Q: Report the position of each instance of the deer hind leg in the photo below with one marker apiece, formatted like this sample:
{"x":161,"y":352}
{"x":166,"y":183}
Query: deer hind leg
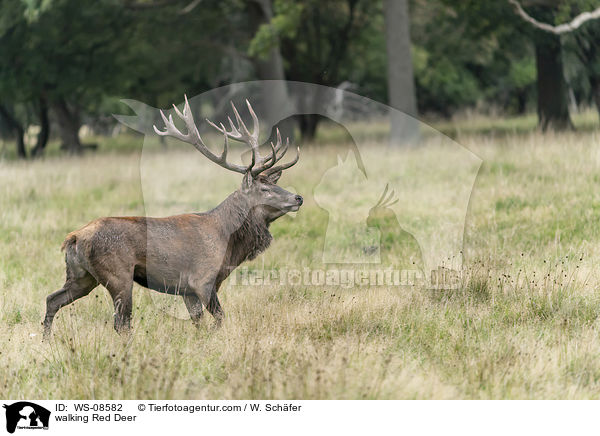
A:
{"x":120,"y":289}
{"x":73,"y":289}
{"x":194,"y":307}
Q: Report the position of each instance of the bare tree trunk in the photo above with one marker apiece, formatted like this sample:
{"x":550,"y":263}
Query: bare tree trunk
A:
{"x":271,"y":68}
{"x":69,"y":124}
{"x":42,"y":139}
{"x":401,"y":86}
{"x":553,"y":106}
{"x":588,"y":52}
{"x":521,"y":102}
{"x":17,"y":127}
{"x":595,"y":84}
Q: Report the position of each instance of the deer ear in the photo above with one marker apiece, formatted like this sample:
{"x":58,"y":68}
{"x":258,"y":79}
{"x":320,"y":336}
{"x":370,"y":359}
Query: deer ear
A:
{"x":247,"y":182}
{"x":274,"y":177}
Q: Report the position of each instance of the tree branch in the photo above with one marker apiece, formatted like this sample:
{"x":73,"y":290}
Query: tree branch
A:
{"x":189,"y":8}
{"x":557,"y":30}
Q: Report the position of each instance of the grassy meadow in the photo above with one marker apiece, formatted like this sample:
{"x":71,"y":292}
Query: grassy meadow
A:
{"x":524,"y":322}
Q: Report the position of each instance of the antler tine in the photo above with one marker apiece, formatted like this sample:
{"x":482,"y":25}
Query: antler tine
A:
{"x":279,"y":143}
{"x":159,"y":132}
{"x":287,"y":165}
{"x":193,"y":137}
{"x":265,"y":163}
{"x":278,"y":147}
{"x":188,"y":118}
{"x":255,"y":128}
{"x":225,"y":145}
{"x":284,"y":148}
{"x":238,"y":132}
{"x":234,"y":130}
{"x":171,"y":129}
{"x":233,"y":134}
{"x":185,"y":113}
{"x":242,"y":134}
{"x":268,"y":162}
{"x":241,"y":126}
{"x":179,"y":114}
{"x":223,"y":157}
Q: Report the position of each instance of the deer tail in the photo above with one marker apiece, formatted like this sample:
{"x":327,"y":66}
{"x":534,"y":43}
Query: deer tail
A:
{"x":69,"y":241}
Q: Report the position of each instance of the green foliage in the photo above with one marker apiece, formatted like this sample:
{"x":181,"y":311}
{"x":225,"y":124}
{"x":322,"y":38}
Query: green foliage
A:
{"x":321,"y":40}
{"x":522,"y":73}
{"x":90,"y":50}
{"x":466,"y":53}
{"x":284,"y":24}
{"x":368,"y":66}
{"x":443,"y":84}
{"x":582,"y":51}
{"x":470,"y":52}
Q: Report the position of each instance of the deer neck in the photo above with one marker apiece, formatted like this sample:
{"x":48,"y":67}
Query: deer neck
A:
{"x":247,"y":231}
{"x":231,"y":213}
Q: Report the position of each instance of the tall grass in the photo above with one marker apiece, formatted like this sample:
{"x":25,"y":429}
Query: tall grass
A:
{"x":522,"y":324}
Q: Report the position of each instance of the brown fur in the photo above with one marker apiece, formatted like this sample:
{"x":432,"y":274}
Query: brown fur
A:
{"x":69,"y":239}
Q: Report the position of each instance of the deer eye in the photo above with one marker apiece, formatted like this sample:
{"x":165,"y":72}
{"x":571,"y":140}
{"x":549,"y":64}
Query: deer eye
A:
{"x":264,"y":189}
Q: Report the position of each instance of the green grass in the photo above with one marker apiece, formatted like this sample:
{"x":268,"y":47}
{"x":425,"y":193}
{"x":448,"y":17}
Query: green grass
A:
{"x":524,"y":322}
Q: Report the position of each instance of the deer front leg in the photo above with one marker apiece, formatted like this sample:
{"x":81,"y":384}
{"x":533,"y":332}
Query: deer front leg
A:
{"x":206,"y":291}
{"x":194,"y":307}
{"x":214,"y":307}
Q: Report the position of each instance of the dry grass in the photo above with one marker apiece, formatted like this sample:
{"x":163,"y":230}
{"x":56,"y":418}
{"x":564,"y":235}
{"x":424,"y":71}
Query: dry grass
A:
{"x":523,"y":324}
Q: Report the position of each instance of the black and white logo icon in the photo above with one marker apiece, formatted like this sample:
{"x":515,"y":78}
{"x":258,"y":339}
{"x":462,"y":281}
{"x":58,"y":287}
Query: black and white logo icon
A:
{"x":26,"y":415}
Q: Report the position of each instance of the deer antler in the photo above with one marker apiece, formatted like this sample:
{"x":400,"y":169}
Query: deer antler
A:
{"x":193,"y":137}
{"x":281,"y":150}
{"x":239,"y":133}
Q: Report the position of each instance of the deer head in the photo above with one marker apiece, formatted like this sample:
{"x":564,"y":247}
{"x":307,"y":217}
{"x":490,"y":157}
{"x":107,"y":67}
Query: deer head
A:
{"x":258,"y":187}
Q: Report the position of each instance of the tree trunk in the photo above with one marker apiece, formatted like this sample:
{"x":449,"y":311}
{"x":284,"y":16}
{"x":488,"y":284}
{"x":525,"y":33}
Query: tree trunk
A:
{"x":521,"y":102}
{"x":595,"y":85}
{"x":596,"y":92}
{"x":588,"y":52}
{"x":401,"y":85}
{"x":271,"y":68}
{"x":552,"y":100}
{"x":69,"y":124}
{"x":16,"y":126}
{"x":42,"y":139}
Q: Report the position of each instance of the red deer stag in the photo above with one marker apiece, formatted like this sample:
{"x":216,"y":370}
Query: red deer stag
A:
{"x":188,"y":255}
